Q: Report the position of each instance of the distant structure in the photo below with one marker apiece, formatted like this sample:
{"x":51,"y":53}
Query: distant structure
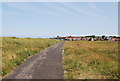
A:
{"x":89,"y":38}
{"x":113,"y":38}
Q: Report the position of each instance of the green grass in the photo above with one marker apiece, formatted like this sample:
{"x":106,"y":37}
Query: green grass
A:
{"x":90,"y":60}
{"x":16,"y":50}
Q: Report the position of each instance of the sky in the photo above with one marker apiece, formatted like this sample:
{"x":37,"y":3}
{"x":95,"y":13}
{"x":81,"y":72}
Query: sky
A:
{"x":50,"y":19}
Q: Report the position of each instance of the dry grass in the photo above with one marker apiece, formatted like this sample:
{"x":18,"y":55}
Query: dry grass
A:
{"x":16,"y":50}
{"x":91,"y":60}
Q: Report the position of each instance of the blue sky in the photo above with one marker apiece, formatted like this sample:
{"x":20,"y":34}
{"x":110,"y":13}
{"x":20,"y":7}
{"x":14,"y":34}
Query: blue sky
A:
{"x":49,"y":19}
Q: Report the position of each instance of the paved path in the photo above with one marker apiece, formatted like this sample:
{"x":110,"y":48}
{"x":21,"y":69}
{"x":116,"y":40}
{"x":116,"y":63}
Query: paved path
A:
{"x":45,"y":65}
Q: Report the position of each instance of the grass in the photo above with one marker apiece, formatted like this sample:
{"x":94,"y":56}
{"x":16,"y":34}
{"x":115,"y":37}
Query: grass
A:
{"x":90,"y":60}
{"x":16,"y":50}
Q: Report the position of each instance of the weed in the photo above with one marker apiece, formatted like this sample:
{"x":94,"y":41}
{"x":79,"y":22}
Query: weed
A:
{"x":91,"y":60}
{"x":16,"y":50}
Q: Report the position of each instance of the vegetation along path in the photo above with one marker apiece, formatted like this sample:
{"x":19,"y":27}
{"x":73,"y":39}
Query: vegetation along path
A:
{"x":44,"y":65}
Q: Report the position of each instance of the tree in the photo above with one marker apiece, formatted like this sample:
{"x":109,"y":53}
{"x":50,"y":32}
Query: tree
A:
{"x":58,"y":36}
{"x":93,"y":36}
{"x":103,"y":37}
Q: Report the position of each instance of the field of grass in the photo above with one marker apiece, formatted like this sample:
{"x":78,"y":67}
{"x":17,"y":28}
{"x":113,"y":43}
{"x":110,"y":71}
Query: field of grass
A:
{"x":16,"y":50}
{"x":90,"y":60}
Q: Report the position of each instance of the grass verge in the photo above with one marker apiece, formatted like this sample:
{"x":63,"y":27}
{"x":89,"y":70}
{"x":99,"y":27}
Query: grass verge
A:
{"x":16,"y":50}
{"x":91,"y":60}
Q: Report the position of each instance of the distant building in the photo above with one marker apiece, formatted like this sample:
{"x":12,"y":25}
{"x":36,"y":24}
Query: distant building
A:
{"x":88,"y":38}
{"x":92,"y":39}
{"x":73,"y":38}
{"x":114,"y":39}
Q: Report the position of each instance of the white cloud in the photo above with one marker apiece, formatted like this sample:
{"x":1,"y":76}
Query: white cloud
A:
{"x":55,"y":9}
{"x":31,"y":8}
{"x":85,"y":12}
{"x":94,"y":7}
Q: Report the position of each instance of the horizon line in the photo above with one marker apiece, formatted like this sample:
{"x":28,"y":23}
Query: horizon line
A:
{"x":55,"y":36}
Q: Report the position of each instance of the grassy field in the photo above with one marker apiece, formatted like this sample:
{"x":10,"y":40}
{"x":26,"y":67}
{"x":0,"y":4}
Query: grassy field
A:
{"x":90,"y":60}
{"x":16,"y":50}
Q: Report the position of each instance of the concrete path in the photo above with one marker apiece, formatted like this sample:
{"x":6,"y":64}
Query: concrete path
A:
{"x":45,"y":65}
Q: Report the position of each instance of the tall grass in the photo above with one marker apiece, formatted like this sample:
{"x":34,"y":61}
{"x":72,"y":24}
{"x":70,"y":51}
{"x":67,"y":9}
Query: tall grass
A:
{"x":91,"y":60}
{"x":16,"y":50}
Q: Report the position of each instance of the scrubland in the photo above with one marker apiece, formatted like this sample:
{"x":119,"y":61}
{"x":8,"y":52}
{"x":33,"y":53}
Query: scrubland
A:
{"x":17,"y":50}
{"x":90,"y":60}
